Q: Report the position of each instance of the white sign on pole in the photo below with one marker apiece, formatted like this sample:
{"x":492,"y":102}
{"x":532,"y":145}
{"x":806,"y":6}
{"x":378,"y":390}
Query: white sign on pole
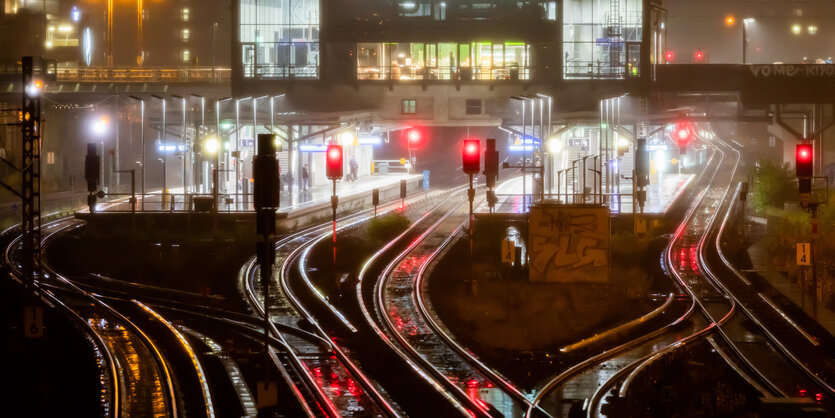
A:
{"x":804,"y":254}
{"x":50,"y":158}
{"x":508,"y":251}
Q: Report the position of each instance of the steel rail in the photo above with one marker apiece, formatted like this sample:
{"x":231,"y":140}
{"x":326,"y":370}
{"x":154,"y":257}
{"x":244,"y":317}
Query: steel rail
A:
{"x":410,"y":351}
{"x":596,"y":359}
{"x":772,"y":338}
{"x":493,"y":375}
{"x":157,"y":355}
{"x":369,"y":317}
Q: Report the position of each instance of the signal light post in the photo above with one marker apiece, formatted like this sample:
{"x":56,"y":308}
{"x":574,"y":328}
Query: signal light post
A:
{"x":333,"y":155}
{"x":266,"y":196}
{"x":413,"y":138}
{"x":804,"y":168}
{"x":682,"y":134}
{"x":471,"y":165}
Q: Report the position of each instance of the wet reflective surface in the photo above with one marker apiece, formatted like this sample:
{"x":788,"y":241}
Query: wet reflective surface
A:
{"x":400,"y":303}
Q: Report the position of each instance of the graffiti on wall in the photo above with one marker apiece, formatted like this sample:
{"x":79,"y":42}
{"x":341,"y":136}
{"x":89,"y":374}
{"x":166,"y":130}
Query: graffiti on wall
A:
{"x":569,"y":243}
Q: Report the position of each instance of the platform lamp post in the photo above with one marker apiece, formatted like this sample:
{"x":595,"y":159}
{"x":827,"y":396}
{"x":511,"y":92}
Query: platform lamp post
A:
{"x":547,"y":135}
{"x":524,"y":163}
{"x":272,"y":111}
{"x":745,"y":23}
{"x":236,"y":154}
{"x":163,"y":139}
{"x":196,"y":145}
{"x":220,"y":148}
{"x":142,"y":139}
{"x":183,"y":142}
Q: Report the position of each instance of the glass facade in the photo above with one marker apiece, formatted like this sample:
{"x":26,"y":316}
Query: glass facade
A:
{"x":403,"y":11}
{"x":602,"y":38}
{"x":444,"y":61}
{"x":279,"y":38}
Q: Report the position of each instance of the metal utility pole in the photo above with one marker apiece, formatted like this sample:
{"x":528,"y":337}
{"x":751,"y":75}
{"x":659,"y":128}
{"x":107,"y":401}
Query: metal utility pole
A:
{"x":109,"y":57}
{"x":142,"y":135}
{"x":164,"y":137}
{"x":31,"y":173}
{"x":140,"y":41}
{"x":214,"y":31}
{"x":184,"y":144}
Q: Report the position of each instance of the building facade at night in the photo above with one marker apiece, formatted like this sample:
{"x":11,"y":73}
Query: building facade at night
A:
{"x":81,"y":33}
{"x":403,"y":57}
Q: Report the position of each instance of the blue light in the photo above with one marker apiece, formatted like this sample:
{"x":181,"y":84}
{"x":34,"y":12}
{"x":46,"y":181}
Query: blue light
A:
{"x":313,"y":148}
{"x":369,"y":140}
{"x":520,"y":148}
{"x":171,"y":148}
{"x":75,"y":14}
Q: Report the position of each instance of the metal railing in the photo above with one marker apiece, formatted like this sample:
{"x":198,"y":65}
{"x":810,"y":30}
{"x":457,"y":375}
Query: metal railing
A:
{"x":398,"y":73}
{"x":149,"y":74}
{"x":617,"y":203}
{"x":176,"y":202}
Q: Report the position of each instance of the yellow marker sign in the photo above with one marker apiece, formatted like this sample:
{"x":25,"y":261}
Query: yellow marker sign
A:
{"x":403,"y":161}
{"x":640,"y":224}
{"x":508,"y":251}
{"x":804,"y":254}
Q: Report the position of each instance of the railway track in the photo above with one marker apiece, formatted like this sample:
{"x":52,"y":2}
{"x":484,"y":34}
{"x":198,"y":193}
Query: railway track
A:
{"x":392,"y":301}
{"x":721,"y":320}
{"x":139,"y":381}
{"x":331,"y":376}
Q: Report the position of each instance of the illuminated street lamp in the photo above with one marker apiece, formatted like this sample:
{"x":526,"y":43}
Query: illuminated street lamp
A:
{"x":211,"y":145}
{"x":100,"y":126}
{"x":745,"y":23}
{"x":796,"y":29}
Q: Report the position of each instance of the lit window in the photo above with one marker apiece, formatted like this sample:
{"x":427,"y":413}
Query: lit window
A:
{"x":185,"y":34}
{"x":185,"y":14}
{"x":186,"y":55}
{"x":408,"y":106}
{"x":473,"y":106}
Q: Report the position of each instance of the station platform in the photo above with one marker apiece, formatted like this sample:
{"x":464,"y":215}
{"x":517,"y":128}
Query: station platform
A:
{"x":660,"y":195}
{"x":300,"y":200}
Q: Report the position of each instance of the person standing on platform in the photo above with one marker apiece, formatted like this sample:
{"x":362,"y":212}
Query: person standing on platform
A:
{"x":305,"y":178}
{"x":354,"y":167}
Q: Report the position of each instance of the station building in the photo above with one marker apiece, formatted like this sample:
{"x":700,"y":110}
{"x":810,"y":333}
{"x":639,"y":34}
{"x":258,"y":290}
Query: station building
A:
{"x":379,"y":66}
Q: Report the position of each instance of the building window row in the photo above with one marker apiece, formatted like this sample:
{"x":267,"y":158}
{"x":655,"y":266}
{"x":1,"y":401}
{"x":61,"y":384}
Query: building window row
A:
{"x":407,"y":11}
{"x":602,"y":38}
{"x":443,"y":61}
{"x":279,"y":38}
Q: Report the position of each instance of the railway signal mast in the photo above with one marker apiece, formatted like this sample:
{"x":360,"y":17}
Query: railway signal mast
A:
{"x":471,"y":163}
{"x":266,"y":196}
{"x":333,"y":170}
{"x":804,"y":168}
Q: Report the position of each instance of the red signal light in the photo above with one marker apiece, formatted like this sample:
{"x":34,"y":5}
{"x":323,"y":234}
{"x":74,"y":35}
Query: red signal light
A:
{"x":669,"y":56}
{"x":413,"y":136}
{"x":471,"y":156}
{"x":700,"y":56}
{"x":333,"y":155}
{"x":682,"y":134}
{"x":803,"y":160}
{"x":804,"y":153}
